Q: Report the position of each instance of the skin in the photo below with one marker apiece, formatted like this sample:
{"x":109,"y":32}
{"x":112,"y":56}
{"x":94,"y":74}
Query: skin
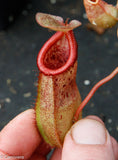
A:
{"x":20,"y":137}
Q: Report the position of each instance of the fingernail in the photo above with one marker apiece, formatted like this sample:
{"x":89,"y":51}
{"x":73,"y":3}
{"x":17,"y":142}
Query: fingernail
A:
{"x":89,"y":131}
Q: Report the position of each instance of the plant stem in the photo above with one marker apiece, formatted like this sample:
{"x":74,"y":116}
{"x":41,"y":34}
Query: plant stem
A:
{"x":93,"y":90}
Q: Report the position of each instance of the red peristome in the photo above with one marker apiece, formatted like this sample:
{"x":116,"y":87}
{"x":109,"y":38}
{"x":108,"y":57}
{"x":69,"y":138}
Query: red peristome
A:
{"x":64,"y":56}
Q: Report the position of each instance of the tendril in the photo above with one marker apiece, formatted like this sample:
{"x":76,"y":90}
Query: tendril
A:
{"x":93,"y":90}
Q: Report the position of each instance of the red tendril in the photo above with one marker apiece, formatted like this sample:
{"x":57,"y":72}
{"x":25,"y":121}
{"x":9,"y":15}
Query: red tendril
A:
{"x":93,"y":90}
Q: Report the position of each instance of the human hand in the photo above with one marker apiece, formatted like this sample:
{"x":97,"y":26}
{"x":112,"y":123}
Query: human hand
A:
{"x":21,"y":139}
{"x":88,"y":139}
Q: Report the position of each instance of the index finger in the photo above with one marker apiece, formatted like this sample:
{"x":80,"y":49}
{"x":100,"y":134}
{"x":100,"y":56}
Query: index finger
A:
{"x":20,"y":136}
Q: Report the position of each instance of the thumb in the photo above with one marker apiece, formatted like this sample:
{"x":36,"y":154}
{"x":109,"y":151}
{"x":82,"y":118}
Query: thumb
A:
{"x":89,"y":139}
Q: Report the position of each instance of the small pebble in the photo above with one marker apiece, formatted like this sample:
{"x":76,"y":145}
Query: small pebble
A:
{"x":117,"y":128}
{"x":86,"y":82}
{"x":8,"y":81}
{"x":27,"y":95}
{"x":109,"y":120}
{"x":85,"y":16}
{"x":7,"y":100}
{"x":12,"y":90}
{"x":53,"y":1}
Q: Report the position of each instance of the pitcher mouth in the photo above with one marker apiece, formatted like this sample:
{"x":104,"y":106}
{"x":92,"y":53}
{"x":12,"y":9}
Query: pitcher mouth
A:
{"x":58,"y":53}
